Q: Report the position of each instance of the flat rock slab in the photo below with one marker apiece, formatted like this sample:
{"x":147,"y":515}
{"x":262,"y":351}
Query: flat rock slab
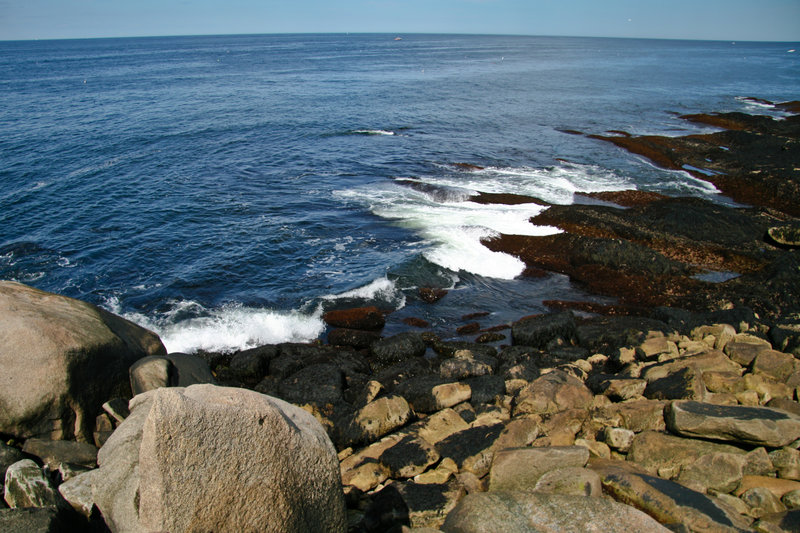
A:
{"x":519,"y":512}
{"x":758,"y":426}
{"x":667,"y":501}
{"x":519,"y":469}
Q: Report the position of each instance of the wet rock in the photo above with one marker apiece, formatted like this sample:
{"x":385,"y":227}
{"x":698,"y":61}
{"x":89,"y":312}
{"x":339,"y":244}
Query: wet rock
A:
{"x":76,"y":356}
{"x":368,"y":318}
{"x":416,"y":322}
{"x":428,"y":394}
{"x":668,"y":502}
{"x":250,"y":366}
{"x":759,"y":426}
{"x":54,"y":452}
{"x":468,"y":329}
{"x":431,"y":295}
{"x":471,"y":449}
{"x":519,"y":469}
{"x":485,"y":389}
{"x":320,"y":384}
{"x":412,"y":504}
{"x":538,"y":330}
{"x":449,"y":348}
{"x":465,"y":364}
{"x":518,"y":512}
{"x":396,"y":349}
{"x":409,"y":457}
{"x":355,"y":338}
{"x":553,"y":392}
{"x":27,"y":486}
{"x":659,"y":452}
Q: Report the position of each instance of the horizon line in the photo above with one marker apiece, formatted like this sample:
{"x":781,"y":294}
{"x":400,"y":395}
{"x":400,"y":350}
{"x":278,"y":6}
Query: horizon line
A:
{"x":399,"y":34}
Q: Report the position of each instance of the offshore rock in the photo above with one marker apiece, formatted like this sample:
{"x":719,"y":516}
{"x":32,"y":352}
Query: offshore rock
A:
{"x":61,"y":359}
{"x":759,"y":426}
{"x":520,"y":512}
{"x":368,"y":318}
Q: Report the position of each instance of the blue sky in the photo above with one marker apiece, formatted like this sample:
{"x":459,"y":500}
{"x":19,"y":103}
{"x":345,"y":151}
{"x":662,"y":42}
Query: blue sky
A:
{"x":759,"y":20}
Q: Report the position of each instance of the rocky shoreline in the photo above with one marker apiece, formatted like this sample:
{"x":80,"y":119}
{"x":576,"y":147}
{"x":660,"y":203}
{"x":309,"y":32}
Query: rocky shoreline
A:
{"x":675,"y":408}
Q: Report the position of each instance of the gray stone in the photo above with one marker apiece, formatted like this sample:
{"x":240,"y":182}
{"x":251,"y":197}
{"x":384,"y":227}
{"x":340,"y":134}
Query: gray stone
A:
{"x":518,"y":512}
{"x":172,"y":370}
{"x":61,"y":359}
{"x":519,"y":469}
{"x":27,"y":486}
{"x":758,"y":426}
{"x":250,"y":366}
{"x":619,"y":438}
{"x":77,"y":491}
{"x":281,"y":472}
{"x":320,"y":384}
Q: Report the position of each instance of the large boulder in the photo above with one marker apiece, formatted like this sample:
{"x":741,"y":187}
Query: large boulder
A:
{"x":219,"y":459}
{"x":173,"y":370}
{"x":61,"y":359}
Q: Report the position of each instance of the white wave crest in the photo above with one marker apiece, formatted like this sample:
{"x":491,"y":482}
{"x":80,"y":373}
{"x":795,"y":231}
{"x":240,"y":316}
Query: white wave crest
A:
{"x":373,"y":132}
{"x":226,"y":329}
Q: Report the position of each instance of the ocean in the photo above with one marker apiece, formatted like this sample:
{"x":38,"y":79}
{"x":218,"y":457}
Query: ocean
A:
{"x":224,"y":191}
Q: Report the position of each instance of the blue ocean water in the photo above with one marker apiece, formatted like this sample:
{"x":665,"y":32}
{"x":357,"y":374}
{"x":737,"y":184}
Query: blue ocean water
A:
{"x":225,"y":190}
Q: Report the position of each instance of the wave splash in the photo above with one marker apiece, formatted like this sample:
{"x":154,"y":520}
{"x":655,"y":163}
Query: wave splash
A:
{"x":438,"y":208}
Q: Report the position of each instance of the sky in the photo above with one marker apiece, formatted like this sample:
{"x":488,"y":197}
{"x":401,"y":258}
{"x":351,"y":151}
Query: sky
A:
{"x":734,"y":20}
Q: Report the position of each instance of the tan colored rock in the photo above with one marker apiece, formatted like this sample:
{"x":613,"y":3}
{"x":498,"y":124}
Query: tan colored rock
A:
{"x":551,"y":393}
{"x":519,"y":432}
{"x":366,"y":476}
{"x":777,"y":486}
{"x":744,"y":351}
{"x":572,"y":480}
{"x":223,"y":459}
{"x":409,"y":457}
{"x":654,"y":451}
{"x":78,"y":493}
{"x":723,"y":382}
{"x":381,"y":416}
{"x":638,"y":416}
{"x":61,"y":359}
{"x":655,"y":347}
{"x":762,"y":502}
{"x":443,"y":472}
{"x":668,"y":502}
{"x":787,"y":461}
{"x":619,"y":439}
{"x":758,"y":463}
{"x":596,"y":449}
{"x":748,"y":398}
{"x":722,"y":333}
{"x":719,"y":472}
{"x":706,"y":362}
{"x":759,"y":426}
{"x":791,"y":499}
{"x":775,"y":365}
{"x":440,"y":425}
{"x":520,"y":468}
{"x":517,"y":512}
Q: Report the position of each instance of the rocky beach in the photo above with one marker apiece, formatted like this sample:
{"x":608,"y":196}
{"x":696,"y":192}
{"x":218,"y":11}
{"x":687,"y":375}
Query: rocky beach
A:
{"x":672,"y":408}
